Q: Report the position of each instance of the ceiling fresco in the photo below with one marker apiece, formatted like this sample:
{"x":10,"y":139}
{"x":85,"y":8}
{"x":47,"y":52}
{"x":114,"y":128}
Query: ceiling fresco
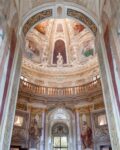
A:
{"x":72,"y":40}
{"x":58,"y":47}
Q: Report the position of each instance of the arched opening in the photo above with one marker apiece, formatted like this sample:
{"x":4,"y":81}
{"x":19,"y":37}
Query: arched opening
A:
{"x":43,"y":90}
{"x":60,"y":135}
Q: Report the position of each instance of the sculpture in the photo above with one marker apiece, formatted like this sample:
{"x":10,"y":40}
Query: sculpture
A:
{"x":59,"y":60}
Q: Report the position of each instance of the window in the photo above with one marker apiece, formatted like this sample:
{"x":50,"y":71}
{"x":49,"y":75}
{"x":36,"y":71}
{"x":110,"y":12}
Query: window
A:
{"x":102,"y":120}
{"x":60,"y":134}
{"x":18,"y":121}
{"x":60,"y":143}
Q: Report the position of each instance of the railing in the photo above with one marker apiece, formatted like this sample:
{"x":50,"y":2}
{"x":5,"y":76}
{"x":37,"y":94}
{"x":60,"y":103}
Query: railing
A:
{"x":65,"y":91}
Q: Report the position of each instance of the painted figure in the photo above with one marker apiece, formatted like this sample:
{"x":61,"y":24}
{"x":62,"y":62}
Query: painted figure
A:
{"x":86,"y":135}
{"x":35,"y":133}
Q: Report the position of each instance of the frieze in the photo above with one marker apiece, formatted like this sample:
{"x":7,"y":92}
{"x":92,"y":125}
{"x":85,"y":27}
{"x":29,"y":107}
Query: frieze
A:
{"x":83,"y":18}
{"x":29,"y":64}
{"x":36,"y":18}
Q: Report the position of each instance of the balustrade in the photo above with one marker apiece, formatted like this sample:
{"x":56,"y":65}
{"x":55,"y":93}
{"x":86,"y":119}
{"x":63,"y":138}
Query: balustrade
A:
{"x":53,"y":91}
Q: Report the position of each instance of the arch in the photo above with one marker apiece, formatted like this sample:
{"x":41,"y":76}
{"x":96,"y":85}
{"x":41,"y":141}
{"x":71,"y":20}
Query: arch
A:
{"x":55,"y":110}
{"x":13,"y":101}
{"x":68,"y":121}
{"x":78,"y":13}
{"x":59,"y":129}
{"x":49,"y":10}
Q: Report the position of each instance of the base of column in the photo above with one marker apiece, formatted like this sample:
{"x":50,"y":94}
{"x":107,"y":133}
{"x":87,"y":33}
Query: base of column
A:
{"x":42,"y":145}
{"x":79,"y":145}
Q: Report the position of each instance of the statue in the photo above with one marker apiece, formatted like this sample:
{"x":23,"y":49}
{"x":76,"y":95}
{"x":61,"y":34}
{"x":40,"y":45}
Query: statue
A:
{"x":59,"y":60}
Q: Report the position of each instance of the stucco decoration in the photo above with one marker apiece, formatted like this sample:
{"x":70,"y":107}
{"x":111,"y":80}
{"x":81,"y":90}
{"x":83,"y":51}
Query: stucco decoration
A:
{"x":36,"y":18}
{"x":83,"y":18}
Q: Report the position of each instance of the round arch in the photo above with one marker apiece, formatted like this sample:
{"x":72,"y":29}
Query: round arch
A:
{"x":49,"y":10}
{"x":77,"y":8}
{"x":60,"y":129}
{"x":70,"y":10}
{"x":59,"y":48}
{"x":60,"y":115}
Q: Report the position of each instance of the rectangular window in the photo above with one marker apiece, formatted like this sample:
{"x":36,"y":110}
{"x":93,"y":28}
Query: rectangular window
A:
{"x":18,"y":121}
{"x":102,"y":120}
{"x":60,"y":143}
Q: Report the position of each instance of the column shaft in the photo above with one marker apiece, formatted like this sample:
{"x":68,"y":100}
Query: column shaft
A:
{"x":78,"y":132}
{"x":42,"y":140}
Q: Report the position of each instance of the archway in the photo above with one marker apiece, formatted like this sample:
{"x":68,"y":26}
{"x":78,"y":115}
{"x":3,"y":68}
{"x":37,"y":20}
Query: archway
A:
{"x":90,"y":22}
{"x":60,"y":134}
{"x":100,"y":55}
{"x":63,"y":118}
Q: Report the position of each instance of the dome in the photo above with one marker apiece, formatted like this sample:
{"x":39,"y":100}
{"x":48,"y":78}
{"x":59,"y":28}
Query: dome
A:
{"x":60,"y":52}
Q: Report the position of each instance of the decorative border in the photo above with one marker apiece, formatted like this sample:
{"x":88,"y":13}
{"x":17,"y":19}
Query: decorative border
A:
{"x":36,"y":18}
{"x":83,"y":18}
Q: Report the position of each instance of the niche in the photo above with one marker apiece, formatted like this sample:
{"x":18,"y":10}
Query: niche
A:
{"x":59,"y":47}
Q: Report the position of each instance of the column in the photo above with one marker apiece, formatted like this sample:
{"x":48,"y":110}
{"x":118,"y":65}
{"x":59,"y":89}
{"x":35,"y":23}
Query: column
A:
{"x":42,"y":139}
{"x":78,"y":132}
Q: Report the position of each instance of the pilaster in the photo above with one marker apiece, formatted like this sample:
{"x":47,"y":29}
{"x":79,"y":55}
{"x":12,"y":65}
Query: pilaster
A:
{"x":78,"y":132}
{"x":42,"y":140}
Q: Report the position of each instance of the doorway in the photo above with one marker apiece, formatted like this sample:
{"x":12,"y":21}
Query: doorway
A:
{"x":60,"y":134}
